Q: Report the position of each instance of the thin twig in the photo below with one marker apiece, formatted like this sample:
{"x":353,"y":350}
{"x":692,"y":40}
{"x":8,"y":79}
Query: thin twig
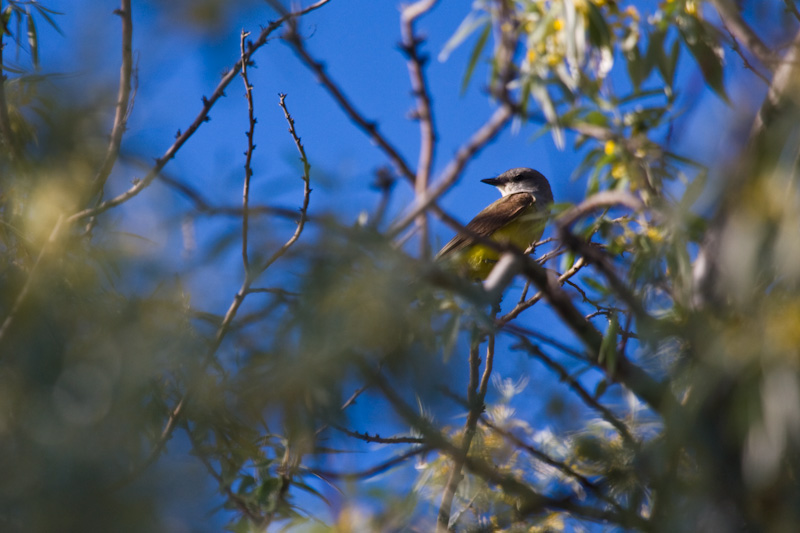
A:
{"x":587,"y":398}
{"x":476,"y":394}
{"x":122,"y":108}
{"x":375,"y":470}
{"x":736,"y":25}
{"x":366,"y":437}
{"x":248,"y":169}
{"x":258,"y":520}
{"x":738,"y":51}
{"x":546,"y":459}
{"x":522,"y":306}
{"x":306,"y":189}
{"x":23,"y":294}
{"x":424,"y":112}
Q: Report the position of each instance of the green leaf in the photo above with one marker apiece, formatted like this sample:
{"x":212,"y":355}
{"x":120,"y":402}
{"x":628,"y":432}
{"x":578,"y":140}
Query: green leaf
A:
{"x":475,"y":55}
{"x":608,"y":347}
{"x":693,"y":190}
{"x":471,"y":23}
{"x":596,"y":285}
{"x":45,"y":13}
{"x":702,"y":47}
{"x":600,"y":389}
{"x":33,"y":41}
{"x":568,"y":261}
{"x":636,"y":67}
{"x":599,"y":32}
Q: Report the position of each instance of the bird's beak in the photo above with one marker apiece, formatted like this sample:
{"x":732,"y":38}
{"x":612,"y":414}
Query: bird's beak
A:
{"x":492,"y":181}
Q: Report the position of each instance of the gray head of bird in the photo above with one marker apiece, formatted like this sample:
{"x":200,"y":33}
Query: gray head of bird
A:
{"x":522,"y":180}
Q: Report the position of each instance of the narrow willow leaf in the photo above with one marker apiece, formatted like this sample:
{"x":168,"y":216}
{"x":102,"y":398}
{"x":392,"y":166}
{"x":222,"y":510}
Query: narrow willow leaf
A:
{"x":476,"y":54}
{"x":608,"y":347}
{"x":471,"y":23}
{"x":697,"y":40}
{"x":33,"y":41}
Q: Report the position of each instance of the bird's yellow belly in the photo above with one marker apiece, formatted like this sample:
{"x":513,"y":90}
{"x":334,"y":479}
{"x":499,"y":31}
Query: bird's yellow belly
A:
{"x":480,"y":259}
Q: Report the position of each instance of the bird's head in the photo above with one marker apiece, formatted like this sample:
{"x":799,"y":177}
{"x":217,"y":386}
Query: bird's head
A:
{"x":522,"y":180}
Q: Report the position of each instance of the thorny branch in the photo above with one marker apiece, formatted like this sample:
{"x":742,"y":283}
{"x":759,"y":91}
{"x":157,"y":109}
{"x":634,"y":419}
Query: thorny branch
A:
{"x":423,"y":112}
{"x":248,"y":157}
{"x":122,"y":109}
{"x":736,"y":25}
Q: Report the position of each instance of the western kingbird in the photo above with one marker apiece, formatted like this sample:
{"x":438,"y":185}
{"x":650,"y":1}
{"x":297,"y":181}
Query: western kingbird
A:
{"x":517,"y":218}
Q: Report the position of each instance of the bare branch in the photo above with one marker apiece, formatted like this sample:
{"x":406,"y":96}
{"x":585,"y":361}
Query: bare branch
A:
{"x":248,"y":169}
{"x":366,"y":437}
{"x":736,"y":25}
{"x":587,"y":398}
{"x":476,"y":394}
{"x":23,"y":294}
{"x":424,"y":112}
{"x":530,"y":302}
{"x":306,"y":190}
{"x":791,"y":6}
{"x":375,"y":470}
{"x":122,"y":109}
{"x":778,"y":91}
{"x":601,"y":199}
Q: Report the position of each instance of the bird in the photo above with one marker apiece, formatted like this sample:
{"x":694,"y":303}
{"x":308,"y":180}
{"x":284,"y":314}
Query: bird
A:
{"x":517,"y":218}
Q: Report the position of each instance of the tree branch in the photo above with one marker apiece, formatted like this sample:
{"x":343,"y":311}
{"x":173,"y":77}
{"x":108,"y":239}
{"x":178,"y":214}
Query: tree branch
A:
{"x":736,"y":25}
{"x":122,"y":109}
{"x":424,"y":112}
{"x":248,"y":157}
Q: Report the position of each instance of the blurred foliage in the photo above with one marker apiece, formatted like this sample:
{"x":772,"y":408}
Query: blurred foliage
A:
{"x":342,"y":388}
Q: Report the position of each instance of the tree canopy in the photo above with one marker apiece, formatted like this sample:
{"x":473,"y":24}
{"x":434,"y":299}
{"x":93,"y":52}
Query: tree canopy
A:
{"x":200,"y":331}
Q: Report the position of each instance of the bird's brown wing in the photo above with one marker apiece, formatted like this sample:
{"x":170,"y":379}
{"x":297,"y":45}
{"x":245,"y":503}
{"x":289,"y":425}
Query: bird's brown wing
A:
{"x":494,"y":216}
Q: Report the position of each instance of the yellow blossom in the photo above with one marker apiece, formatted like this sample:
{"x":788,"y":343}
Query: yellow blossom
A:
{"x":633,"y":13}
{"x":610,"y":147}
{"x":531,"y":55}
{"x":618,"y":171}
{"x":690,"y":7}
{"x":558,"y":24}
{"x":654,"y":235}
